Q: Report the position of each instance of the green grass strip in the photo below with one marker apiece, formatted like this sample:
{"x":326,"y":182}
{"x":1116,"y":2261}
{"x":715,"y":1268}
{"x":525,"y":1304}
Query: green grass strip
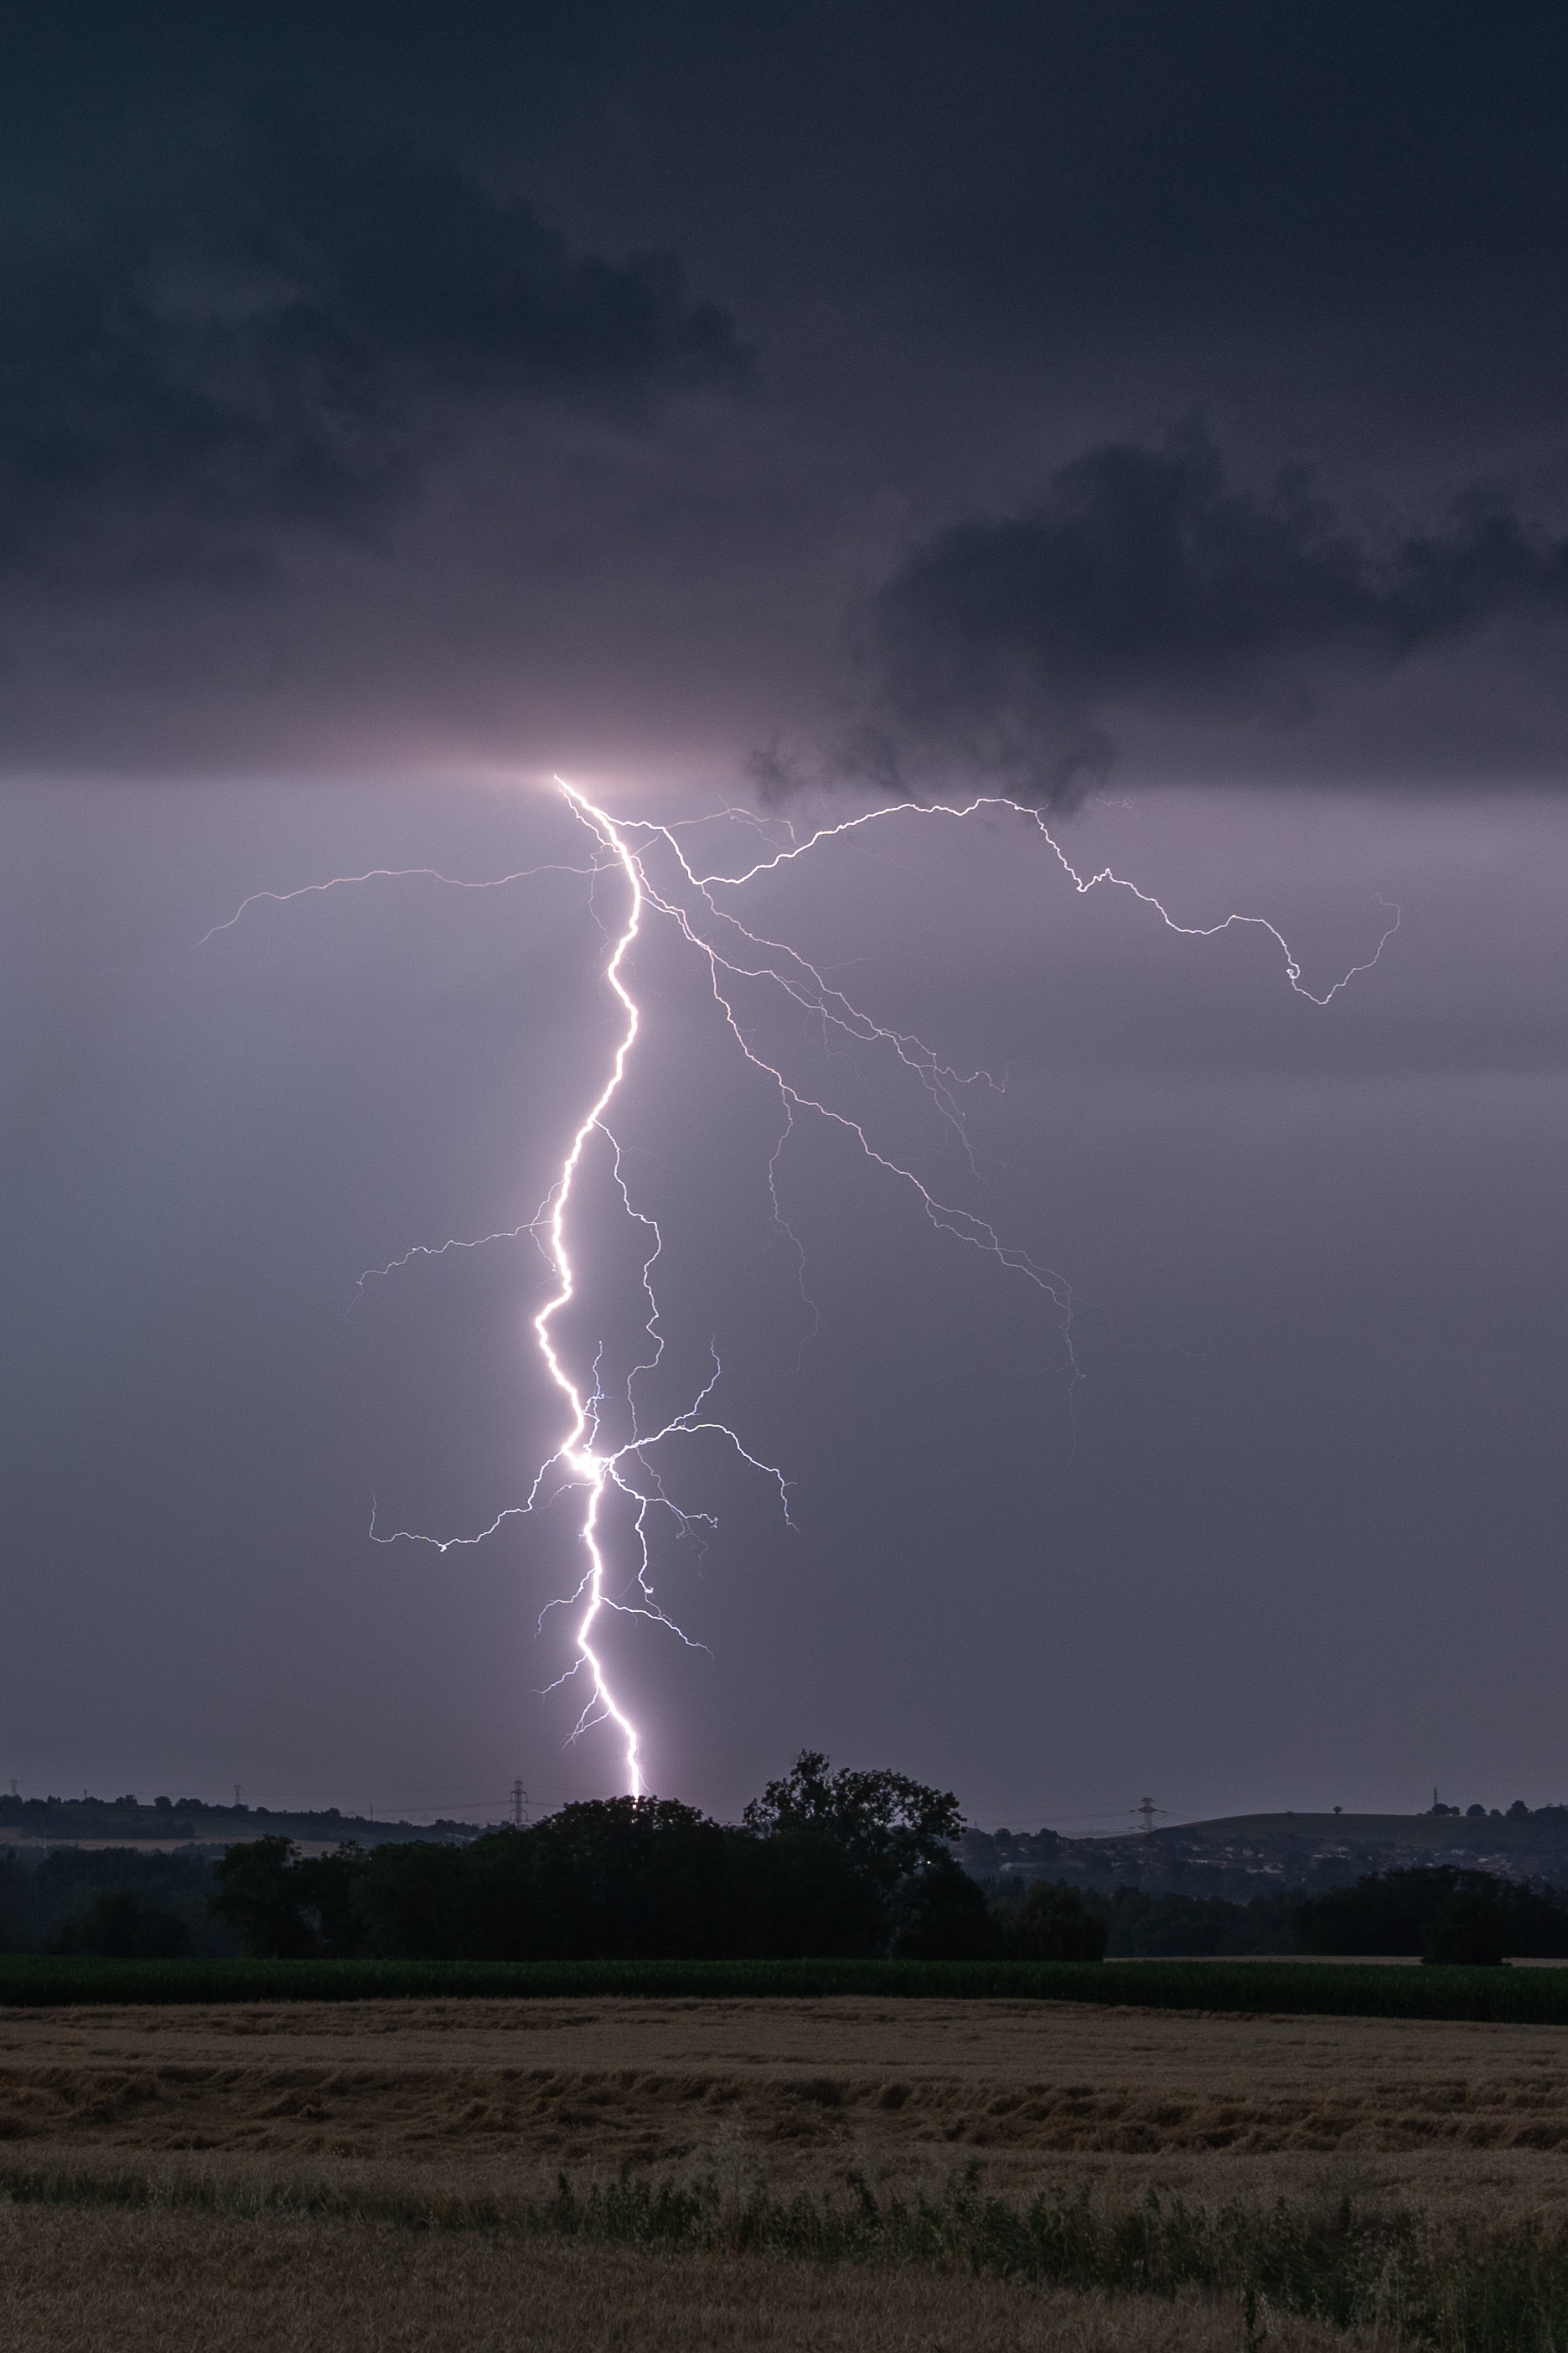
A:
{"x":1329,"y":1989}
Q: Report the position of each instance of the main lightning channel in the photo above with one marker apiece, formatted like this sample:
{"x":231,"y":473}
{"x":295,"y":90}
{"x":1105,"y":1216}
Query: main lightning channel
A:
{"x":631,"y":1470}
{"x":578,"y":1453}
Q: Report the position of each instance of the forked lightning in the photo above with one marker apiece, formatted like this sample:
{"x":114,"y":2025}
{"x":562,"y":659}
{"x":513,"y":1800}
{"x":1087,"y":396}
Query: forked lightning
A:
{"x":660,"y":879}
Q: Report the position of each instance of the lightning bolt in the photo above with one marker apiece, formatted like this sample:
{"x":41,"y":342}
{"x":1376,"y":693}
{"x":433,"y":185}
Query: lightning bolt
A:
{"x":661,"y":879}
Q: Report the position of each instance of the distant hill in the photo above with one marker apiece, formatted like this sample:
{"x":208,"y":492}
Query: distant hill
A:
{"x":1238,"y":1856}
{"x":1467,"y":1835}
{"x":188,"y":1822}
{"x":1243,"y":1855}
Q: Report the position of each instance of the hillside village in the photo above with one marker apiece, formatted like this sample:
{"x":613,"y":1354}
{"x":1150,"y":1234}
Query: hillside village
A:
{"x":1245,"y":1855}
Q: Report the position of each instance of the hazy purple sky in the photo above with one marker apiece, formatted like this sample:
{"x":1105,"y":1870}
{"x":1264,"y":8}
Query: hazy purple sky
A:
{"x":1149,"y":412}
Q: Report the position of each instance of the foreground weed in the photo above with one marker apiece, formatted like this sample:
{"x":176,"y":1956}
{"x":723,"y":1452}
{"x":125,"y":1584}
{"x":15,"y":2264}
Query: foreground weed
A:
{"x":1451,"y":2287}
{"x":1503,"y":2290}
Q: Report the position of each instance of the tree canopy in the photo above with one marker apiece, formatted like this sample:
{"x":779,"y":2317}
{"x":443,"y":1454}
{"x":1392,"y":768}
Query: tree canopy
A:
{"x":890,"y":1825}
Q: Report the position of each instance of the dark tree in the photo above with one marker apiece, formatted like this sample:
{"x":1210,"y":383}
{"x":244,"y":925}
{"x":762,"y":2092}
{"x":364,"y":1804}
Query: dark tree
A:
{"x":1469,"y":1928}
{"x":323,"y":1886}
{"x":1394,"y":1911}
{"x":500,"y":1894}
{"x":1170,"y":1923}
{"x":888,"y":1824}
{"x":631,"y":1879}
{"x":121,"y":1927}
{"x":941,"y":1915}
{"x":1053,"y":1923}
{"x":409,"y":1903}
{"x":256,"y":1893}
{"x":799,"y":1896}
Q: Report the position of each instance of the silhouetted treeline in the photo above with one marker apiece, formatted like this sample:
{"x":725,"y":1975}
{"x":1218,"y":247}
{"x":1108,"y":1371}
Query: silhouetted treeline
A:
{"x":116,"y":1900}
{"x":196,"y":1822}
{"x":1171,"y":1925}
{"x":1442,"y":1913}
{"x":627,"y":1887}
{"x":825,"y":1864}
{"x":1439,"y":1912}
{"x":1130,"y":1923}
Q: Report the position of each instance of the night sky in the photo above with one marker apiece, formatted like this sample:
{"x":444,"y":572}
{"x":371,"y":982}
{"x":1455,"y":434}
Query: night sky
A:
{"x":1148,"y":413}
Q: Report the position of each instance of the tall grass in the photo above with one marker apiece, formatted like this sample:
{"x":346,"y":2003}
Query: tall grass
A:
{"x":1458,"y":2288}
{"x":1334,"y":1988}
{"x":1500,"y":2287}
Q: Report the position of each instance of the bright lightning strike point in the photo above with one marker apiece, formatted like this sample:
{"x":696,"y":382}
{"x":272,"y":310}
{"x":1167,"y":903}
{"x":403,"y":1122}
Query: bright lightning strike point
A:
{"x":733,"y":956}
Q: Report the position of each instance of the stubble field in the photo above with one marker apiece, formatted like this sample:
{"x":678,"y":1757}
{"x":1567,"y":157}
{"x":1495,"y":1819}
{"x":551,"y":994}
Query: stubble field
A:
{"x":375,"y":2173}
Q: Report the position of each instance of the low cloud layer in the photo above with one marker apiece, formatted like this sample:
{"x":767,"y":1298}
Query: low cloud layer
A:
{"x":288,"y":341}
{"x":1143,"y":573}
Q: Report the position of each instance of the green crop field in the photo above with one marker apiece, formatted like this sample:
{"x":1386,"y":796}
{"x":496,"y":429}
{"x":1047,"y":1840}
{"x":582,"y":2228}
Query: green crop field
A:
{"x":1536,"y":1995}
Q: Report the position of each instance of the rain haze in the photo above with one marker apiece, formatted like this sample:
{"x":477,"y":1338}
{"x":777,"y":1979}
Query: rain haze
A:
{"x":1146,"y":419}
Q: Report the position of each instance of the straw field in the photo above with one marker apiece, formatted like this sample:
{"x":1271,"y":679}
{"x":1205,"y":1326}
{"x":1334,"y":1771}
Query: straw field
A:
{"x":343,"y":2174}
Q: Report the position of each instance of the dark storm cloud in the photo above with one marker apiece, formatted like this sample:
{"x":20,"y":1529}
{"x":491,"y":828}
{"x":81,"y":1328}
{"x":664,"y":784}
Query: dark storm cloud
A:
{"x":1161,"y":151}
{"x":315,"y":293}
{"x":1146,"y":573}
{"x":289,"y":339}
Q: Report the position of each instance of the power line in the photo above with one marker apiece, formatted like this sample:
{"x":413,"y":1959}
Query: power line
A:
{"x":1148,"y":1809}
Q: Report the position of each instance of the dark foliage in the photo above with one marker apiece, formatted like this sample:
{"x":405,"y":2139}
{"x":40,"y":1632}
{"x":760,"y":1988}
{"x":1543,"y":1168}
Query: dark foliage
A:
{"x":1396,"y":1911}
{"x":942,"y":1915}
{"x":1051,"y":1923}
{"x":1153,"y":1926}
{"x":123,"y":1927}
{"x":802,"y":1892}
{"x":324,"y":1889}
{"x":888,"y":1824}
{"x":408,"y":1899}
{"x":629,"y":1878}
{"x":259,"y":1893}
{"x":827,"y":1863}
{"x":15,"y":1891}
{"x":1469,"y":1927}
{"x":62,"y":1901}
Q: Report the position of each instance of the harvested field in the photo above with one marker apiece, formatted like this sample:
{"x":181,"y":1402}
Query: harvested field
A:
{"x":75,"y":2282}
{"x":808,"y":2089}
{"x":465,"y":2112}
